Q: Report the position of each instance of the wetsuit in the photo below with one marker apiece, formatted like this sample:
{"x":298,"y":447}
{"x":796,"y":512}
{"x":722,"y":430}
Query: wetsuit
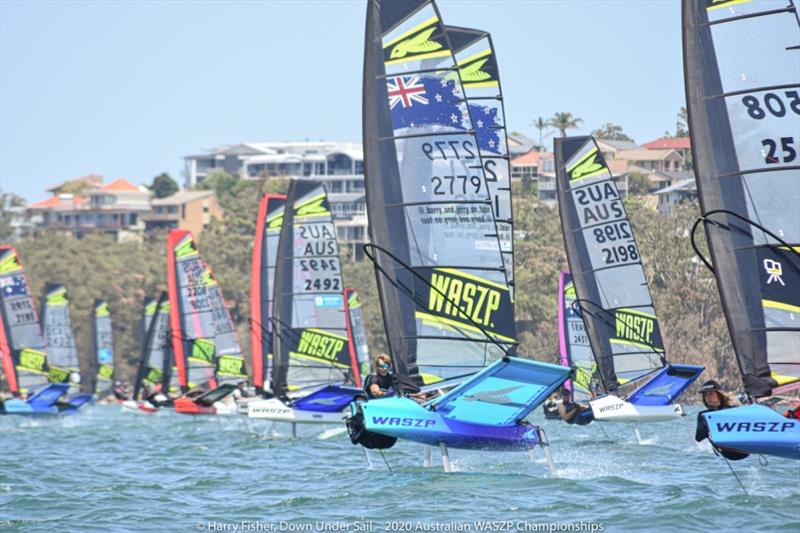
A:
{"x":383,"y":382}
{"x":701,"y":433}
{"x":582,"y":417}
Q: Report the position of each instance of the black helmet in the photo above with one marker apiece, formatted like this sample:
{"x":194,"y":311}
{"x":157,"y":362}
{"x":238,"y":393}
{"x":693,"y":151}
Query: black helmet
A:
{"x":709,"y":386}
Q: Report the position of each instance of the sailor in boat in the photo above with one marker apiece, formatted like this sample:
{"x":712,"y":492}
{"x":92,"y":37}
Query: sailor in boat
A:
{"x":241,"y":391}
{"x":379,"y":383}
{"x":715,"y":399}
{"x":573,"y":412}
{"x":551,"y":407}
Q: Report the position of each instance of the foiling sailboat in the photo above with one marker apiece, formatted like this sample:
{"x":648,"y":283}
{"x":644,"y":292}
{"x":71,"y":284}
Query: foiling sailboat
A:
{"x":743,"y":94}
{"x":636,"y":383}
{"x":439,"y":212}
{"x":315,"y":370}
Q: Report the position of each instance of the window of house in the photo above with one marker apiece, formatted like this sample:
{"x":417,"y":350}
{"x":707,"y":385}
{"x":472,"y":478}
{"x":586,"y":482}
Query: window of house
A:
{"x":336,"y":186}
{"x":359,"y":167}
{"x":133,"y":217}
{"x":172,"y":210}
{"x":183,"y":211}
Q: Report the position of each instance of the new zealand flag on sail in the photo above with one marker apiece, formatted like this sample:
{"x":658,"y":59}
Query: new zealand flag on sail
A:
{"x":486,"y":124}
{"x":418,"y":101}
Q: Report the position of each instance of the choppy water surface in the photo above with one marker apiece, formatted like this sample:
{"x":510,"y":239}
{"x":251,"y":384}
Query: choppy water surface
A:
{"x":105,"y":470}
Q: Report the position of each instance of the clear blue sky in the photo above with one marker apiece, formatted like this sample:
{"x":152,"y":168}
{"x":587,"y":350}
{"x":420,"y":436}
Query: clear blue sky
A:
{"x":125,"y":89}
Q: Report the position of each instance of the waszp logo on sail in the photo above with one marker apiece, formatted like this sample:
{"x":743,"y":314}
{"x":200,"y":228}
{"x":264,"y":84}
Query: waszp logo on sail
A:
{"x":315,"y":343}
{"x":462,"y":298}
{"x":635,"y":327}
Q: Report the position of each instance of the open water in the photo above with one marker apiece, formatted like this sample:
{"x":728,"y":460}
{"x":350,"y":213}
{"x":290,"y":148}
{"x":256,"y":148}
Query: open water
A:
{"x":104,"y":470}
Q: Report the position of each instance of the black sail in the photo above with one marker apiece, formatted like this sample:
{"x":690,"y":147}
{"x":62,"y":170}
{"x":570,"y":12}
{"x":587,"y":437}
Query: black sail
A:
{"x":606,"y":266}
{"x":310,"y":342}
{"x":742,"y":73}
{"x":443,"y":286}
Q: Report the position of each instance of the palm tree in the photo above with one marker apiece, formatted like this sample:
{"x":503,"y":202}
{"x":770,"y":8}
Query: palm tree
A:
{"x":540,"y":124}
{"x":564,"y":121}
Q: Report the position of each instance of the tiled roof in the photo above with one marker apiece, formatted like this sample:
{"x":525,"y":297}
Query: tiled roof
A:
{"x":59,"y":201}
{"x":531,"y":158}
{"x":120,"y":185}
{"x":669,"y":143}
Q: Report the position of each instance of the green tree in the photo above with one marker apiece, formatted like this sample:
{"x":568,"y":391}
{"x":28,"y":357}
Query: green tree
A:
{"x":638,"y":183}
{"x":682,"y":124}
{"x":540,"y":124}
{"x":611,"y":132}
{"x":563,"y":121}
{"x":163,"y":185}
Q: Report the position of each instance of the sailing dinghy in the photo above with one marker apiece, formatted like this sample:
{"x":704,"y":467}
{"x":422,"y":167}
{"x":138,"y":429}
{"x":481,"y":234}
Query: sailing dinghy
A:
{"x":743,"y":93}
{"x":637,"y":384}
{"x":314,"y":366}
{"x":102,"y":349}
{"x":193,"y":331}
{"x":442,"y":265}
{"x":22,"y":347}
{"x":151,"y":384}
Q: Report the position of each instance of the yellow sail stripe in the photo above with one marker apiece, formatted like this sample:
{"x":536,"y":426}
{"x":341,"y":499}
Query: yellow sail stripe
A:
{"x":415,"y":29}
{"x":460,"y":325}
{"x":725,"y":3}
{"x":479,"y":84}
{"x":782,"y":379}
{"x":473,"y":57}
{"x":636,"y":344}
{"x":636,"y":312}
{"x":772,"y":304}
{"x":418,"y":57}
{"x":473,"y":277}
{"x":326,"y":333}
{"x":317,"y":359}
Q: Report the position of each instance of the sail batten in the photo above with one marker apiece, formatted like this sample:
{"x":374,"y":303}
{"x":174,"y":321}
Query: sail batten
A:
{"x":743,"y":100}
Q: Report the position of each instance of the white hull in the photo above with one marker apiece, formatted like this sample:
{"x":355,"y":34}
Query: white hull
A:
{"x":275,"y":410}
{"x":613,"y":409}
{"x":226,"y":408}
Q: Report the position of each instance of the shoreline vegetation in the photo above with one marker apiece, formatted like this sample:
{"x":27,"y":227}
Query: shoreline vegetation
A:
{"x":684,"y":290}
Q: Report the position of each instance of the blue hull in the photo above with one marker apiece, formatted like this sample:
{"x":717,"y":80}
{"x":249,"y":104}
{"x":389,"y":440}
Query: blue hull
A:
{"x":403,"y":418}
{"x":44,"y":402}
{"x":21,"y":407}
{"x":754,"y":429}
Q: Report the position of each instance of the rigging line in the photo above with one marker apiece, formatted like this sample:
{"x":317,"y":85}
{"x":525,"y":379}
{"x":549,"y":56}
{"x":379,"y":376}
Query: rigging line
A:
{"x":580,"y":302}
{"x":616,"y":320}
{"x":706,"y":218}
{"x":442,"y":294}
{"x":296,"y":337}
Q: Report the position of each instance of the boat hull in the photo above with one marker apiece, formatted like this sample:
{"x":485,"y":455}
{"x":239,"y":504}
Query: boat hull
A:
{"x":613,"y":409}
{"x":754,"y":429}
{"x":404,"y":418}
{"x":275,"y":410}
